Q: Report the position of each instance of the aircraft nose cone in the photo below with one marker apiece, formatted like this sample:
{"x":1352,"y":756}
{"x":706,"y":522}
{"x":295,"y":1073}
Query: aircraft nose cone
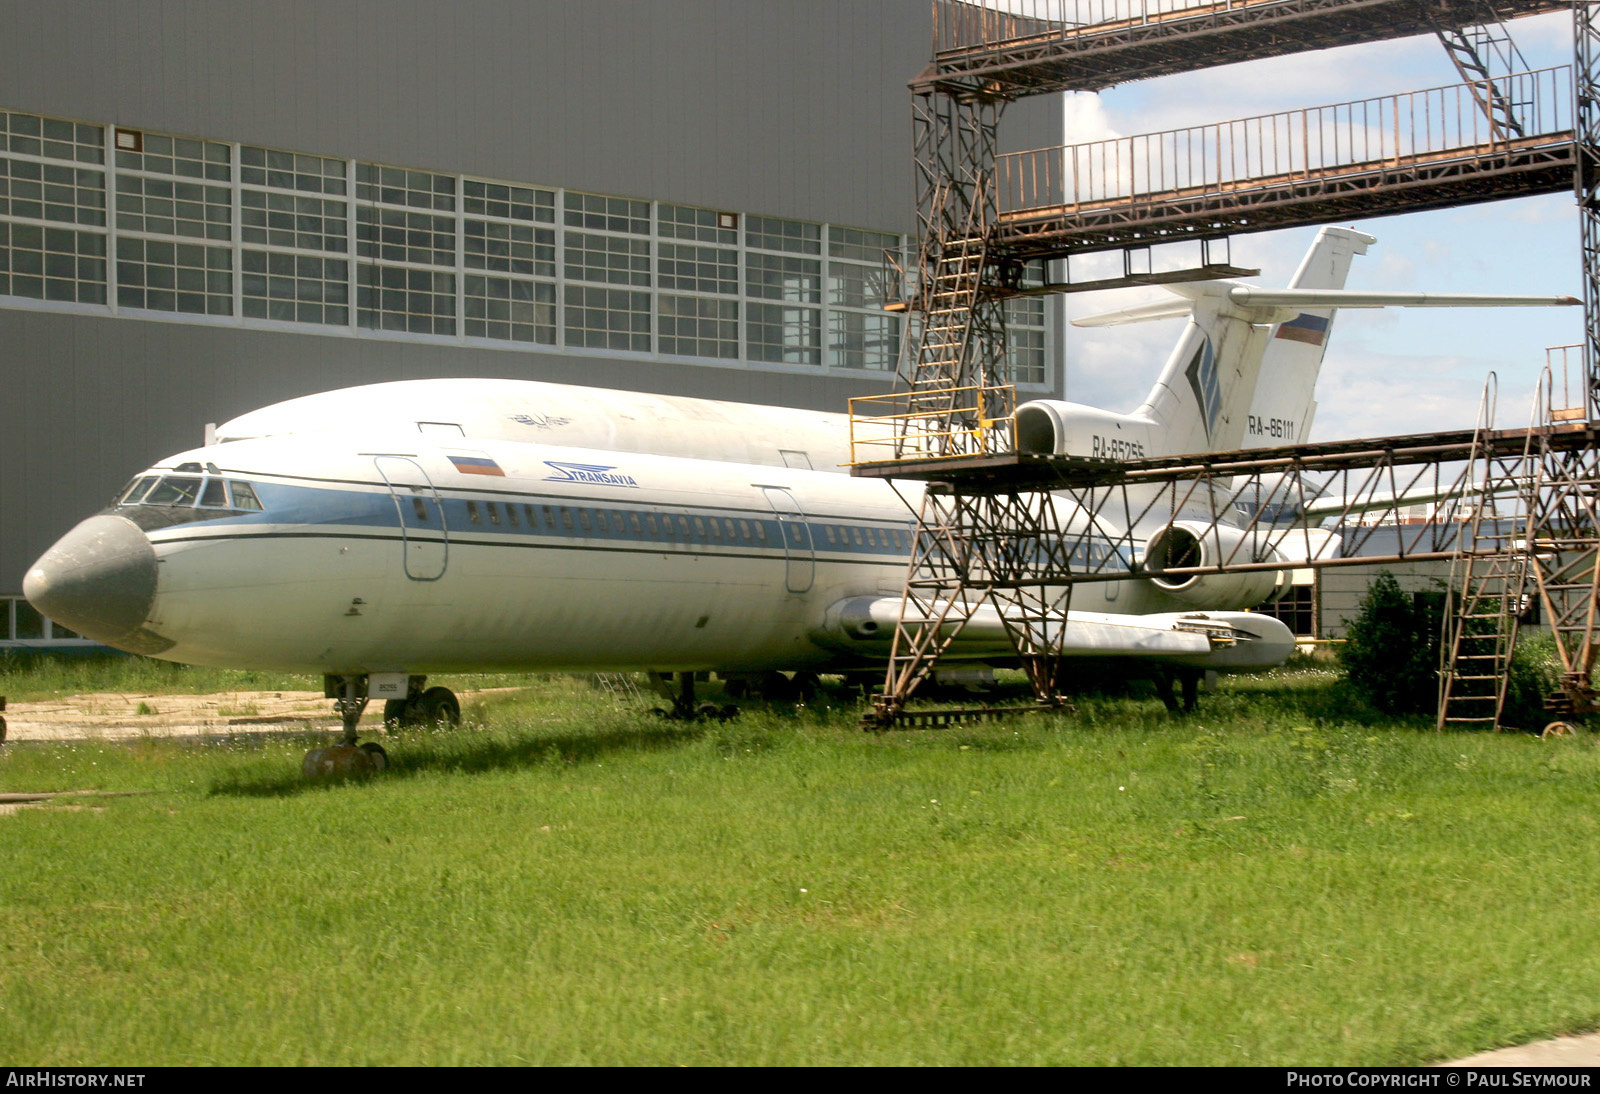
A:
{"x":100,"y":580}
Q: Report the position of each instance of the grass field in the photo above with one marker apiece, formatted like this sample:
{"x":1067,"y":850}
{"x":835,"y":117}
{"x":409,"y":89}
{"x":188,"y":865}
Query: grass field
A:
{"x":1281,"y":878}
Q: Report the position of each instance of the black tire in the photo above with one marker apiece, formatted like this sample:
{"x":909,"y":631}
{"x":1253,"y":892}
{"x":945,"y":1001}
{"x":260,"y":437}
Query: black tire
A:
{"x":775,"y":687}
{"x":805,"y":685}
{"x":380,"y":758}
{"x":438,"y":707}
{"x":396,"y":714}
{"x":2,"y":731}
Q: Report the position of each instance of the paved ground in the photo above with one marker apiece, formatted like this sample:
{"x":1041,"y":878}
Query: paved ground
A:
{"x":119,"y":716}
{"x":1581,"y":1051}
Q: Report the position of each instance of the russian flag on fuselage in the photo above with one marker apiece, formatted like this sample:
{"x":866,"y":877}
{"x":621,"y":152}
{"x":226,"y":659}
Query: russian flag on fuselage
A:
{"x":1311,"y":329}
{"x":475,"y":465}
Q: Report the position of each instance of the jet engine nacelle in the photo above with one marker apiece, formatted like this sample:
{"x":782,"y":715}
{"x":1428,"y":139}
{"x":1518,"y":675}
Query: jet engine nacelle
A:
{"x":1184,"y":544}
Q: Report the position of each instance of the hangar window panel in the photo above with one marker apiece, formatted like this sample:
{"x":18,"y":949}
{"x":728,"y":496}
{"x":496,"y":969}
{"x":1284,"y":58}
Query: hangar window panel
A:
{"x":396,"y":235}
{"x":52,"y":191}
{"x":175,"y":277}
{"x":507,"y":202}
{"x":697,"y":225}
{"x":779,"y":277}
{"x":607,"y":318}
{"x":181,"y":157}
{"x":394,"y":298}
{"x":859,"y":245}
{"x":614,"y":260}
{"x":600,"y":213}
{"x":853,"y":285}
{"x":510,"y":309}
{"x":771,"y":234}
{"x":294,"y":288}
{"x":291,"y":171}
{"x":784,"y":335}
{"x":52,"y":263}
{"x":56,"y":138}
{"x":296,"y":221}
{"x":697,"y":327}
{"x":398,"y":186}
{"x":862,"y":340}
{"x":510,"y":248}
{"x":1025,"y":340}
{"x":698,"y":269}
{"x":174,"y":208}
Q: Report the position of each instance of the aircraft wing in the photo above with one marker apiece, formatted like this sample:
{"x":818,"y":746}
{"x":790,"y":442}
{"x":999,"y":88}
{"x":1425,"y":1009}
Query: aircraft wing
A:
{"x":1206,"y":639}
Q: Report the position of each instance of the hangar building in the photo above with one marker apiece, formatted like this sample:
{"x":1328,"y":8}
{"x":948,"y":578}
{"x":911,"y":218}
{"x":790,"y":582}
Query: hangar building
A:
{"x":206,"y":207}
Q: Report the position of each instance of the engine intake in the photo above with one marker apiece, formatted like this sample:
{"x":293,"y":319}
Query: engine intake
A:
{"x":1189,"y":544}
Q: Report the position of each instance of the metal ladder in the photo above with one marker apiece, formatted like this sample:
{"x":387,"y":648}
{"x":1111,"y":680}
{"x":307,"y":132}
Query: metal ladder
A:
{"x":1487,"y":592}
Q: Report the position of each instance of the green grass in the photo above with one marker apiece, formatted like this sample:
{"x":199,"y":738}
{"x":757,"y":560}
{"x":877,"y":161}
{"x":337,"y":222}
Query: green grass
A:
{"x":1281,"y":878}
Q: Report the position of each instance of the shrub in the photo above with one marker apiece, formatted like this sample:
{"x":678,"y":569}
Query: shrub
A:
{"x":1391,"y":649}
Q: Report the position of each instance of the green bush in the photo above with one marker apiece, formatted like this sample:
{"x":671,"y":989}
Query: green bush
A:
{"x":1391,"y":649}
{"x":1535,"y":673}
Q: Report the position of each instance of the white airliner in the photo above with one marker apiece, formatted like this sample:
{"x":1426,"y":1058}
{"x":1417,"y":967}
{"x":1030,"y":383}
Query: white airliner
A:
{"x":379,"y":534}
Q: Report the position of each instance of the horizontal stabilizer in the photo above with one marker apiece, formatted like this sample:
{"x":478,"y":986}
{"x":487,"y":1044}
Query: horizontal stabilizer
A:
{"x":1272,"y":301}
{"x":1144,"y":313}
{"x":1251,"y":297}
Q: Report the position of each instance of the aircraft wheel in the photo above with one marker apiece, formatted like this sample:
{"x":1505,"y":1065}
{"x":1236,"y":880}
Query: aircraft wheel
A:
{"x":805,"y":685}
{"x":1559,"y":729}
{"x":775,"y":687}
{"x":2,"y":731}
{"x":438,"y":707}
{"x":396,"y":714}
{"x":709,"y":710}
{"x":737,"y":687}
{"x":380,"y":758}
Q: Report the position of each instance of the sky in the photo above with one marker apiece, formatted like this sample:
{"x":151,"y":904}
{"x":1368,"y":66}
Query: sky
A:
{"x":1389,"y":371}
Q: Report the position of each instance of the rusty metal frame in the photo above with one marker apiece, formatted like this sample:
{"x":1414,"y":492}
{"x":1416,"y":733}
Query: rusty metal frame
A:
{"x":1047,"y":45}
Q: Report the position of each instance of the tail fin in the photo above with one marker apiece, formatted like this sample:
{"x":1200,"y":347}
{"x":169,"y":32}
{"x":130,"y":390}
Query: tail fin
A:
{"x":1214,"y":388}
{"x":1244,"y":372}
{"x":1285,"y":397}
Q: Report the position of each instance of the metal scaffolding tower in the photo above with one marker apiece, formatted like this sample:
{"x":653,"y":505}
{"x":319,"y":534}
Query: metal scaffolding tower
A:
{"x":989,"y":528}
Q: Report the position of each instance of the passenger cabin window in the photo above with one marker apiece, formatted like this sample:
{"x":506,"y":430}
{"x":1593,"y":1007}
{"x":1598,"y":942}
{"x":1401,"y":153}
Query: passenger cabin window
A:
{"x":583,"y":519}
{"x":511,"y":513}
{"x":527,"y":511}
{"x":418,"y":508}
{"x":472,"y":513}
{"x":494,"y":512}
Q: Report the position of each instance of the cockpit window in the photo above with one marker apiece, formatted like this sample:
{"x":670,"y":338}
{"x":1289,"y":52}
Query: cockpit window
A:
{"x":174,"y":490}
{"x":181,"y":491}
{"x":136,"y":490}
{"x":216,"y":495}
{"x":244,"y":496}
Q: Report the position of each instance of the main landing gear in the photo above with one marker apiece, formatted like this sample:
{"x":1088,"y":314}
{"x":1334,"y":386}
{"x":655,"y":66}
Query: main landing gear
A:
{"x":350,"y":695}
{"x":684,"y":707}
{"x":1188,"y":679}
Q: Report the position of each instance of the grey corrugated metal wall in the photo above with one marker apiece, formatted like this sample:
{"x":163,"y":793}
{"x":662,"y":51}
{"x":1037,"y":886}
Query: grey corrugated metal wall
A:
{"x":790,"y":108}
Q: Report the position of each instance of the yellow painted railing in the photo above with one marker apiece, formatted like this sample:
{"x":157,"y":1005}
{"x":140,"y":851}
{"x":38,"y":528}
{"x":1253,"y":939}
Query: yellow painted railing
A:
{"x":934,"y":424}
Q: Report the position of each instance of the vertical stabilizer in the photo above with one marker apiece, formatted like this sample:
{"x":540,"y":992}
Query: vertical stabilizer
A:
{"x":1201,"y":400}
{"x":1285,"y":397}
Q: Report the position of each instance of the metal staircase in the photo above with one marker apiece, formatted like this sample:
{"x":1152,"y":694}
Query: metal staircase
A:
{"x":1485,"y":55}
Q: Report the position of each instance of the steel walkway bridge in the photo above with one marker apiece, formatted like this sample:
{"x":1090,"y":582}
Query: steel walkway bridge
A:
{"x":1371,"y":157}
{"x":1013,"y":48}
